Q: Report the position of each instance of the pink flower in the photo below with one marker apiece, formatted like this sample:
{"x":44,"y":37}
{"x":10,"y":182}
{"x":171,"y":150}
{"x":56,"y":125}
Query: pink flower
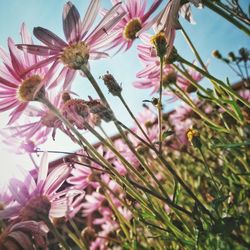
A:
{"x":40,"y":123}
{"x":167,"y":20}
{"x":40,"y":197}
{"x":17,"y":74}
{"x":81,"y":45}
{"x":149,"y":77}
{"x":81,"y":177}
{"x":93,"y":202}
{"x":135,"y":19}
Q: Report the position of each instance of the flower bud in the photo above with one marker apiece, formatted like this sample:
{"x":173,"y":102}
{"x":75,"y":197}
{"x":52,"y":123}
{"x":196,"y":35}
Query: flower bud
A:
{"x":217,"y":54}
{"x":112,"y":85}
{"x":244,"y":53}
{"x":232,"y":56}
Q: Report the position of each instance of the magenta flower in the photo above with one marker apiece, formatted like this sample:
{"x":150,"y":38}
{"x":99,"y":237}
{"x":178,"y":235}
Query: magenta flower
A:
{"x":80,"y":45}
{"x":135,"y":19}
{"x":36,"y":199}
{"x":17,"y":75}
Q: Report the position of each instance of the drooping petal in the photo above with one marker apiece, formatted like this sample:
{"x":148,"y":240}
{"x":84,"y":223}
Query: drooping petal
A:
{"x":153,"y":7}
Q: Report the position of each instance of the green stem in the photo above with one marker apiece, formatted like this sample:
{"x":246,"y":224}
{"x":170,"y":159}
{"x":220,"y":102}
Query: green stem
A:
{"x":134,"y":118}
{"x":191,"y":45}
{"x":228,"y":17}
{"x":217,"y":101}
{"x":209,"y":171}
{"x":187,"y":100}
{"x":159,"y":105}
{"x":212,"y":78}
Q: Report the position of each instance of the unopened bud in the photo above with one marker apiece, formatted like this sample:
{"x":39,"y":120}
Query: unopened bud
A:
{"x":155,"y":101}
{"x":112,"y":85}
{"x":232,"y":56}
{"x":97,"y":108}
{"x":217,"y":54}
{"x":65,"y":97}
{"x":244,"y":53}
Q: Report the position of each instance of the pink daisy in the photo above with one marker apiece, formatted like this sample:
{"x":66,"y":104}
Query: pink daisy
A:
{"x":80,"y":45}
{"x":17,"y":75}
{"x":40,"y":197}
{"x":135,"y":19}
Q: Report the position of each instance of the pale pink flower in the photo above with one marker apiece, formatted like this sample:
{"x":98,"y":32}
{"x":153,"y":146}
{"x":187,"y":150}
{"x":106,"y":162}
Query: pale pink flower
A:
{"x":18,"y":70}
{"x":81,"y":177}
{"x":135,"y":19}
{"x":93,"y":202}
{"x":40,"y":197}
{"x":80,"y":45}
{"x":245,"y":93}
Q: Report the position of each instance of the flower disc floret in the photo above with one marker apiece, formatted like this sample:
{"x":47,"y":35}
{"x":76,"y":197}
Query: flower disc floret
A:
{"x":75,"y":55}
{"x":28,"y":89}
{"x":132,"y":28}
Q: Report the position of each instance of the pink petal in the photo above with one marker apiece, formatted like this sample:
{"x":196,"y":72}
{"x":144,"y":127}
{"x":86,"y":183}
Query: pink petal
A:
{"x":90,"y":16}
{"x":43,"y":169}
{"x":49,"y":38}
{"x":37,"y":49}
{"x":153,"y":7}
{"x":16,"y":57}
{"x":71,"y":22}
{"x":55,"y":179}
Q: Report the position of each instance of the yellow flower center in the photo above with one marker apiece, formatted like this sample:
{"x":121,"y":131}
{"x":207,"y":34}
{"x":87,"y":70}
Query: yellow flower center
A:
{"x":131,"y":28}
{"x":191,"y":133}
{"x":160,"y":43}
{"x":27,"y":91}
{"x":75,"y":55}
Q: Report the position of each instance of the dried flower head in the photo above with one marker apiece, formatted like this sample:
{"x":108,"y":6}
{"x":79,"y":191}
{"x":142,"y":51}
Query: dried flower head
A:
{"x":112,"y":85}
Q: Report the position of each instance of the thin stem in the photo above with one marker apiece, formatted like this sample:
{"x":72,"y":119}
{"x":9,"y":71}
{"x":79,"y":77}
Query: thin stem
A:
{"x":159,"y":105}
{"x":187,"y":100}
{"x":212,"y":78}
{"x":193,"y":49}
{"x":217,"y":101}
{"x":228,"y":17}
{"x":209,"y":171}
{"x":134,"y":118}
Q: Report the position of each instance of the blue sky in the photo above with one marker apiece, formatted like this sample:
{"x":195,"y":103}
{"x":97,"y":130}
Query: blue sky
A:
{"x":211,"y":32}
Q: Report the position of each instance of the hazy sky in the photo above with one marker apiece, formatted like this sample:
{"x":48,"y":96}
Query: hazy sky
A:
{"x":211,"y":32}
